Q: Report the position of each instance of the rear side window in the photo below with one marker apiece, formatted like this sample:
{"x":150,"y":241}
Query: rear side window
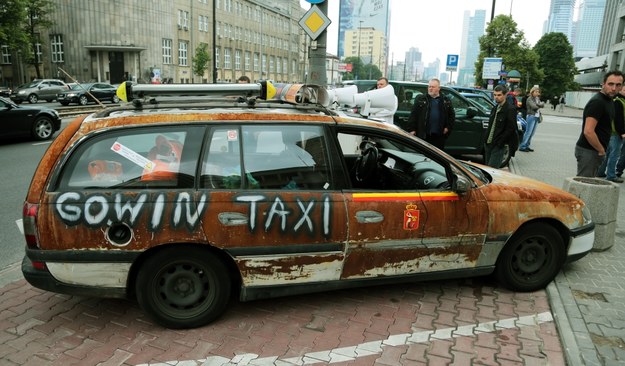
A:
{"x":267,"y":157}
{"x":142,"y":157}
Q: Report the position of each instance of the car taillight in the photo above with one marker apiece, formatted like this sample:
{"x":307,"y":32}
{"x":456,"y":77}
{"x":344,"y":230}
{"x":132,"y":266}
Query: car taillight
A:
{"x":30,"y":224}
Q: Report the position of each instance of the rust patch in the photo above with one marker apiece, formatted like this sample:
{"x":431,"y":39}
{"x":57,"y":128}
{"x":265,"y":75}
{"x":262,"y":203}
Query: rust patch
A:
{"x":284,"y":265}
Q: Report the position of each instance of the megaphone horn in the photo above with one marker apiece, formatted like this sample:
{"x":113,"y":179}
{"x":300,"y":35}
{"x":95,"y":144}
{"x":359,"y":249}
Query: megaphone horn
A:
{"x":379,"y":98}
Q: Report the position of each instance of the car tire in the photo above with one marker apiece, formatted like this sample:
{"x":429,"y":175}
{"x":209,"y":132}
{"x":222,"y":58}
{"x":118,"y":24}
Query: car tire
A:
{"x":83,"y":100}
{"x":64,"y":103}
{"x":115,"y":99}
{"x":506,"y":156}
{"x":42,"y":128}
{"x":183,"y":287}
{"x":531,"y":258}
{"x":33,"y":99}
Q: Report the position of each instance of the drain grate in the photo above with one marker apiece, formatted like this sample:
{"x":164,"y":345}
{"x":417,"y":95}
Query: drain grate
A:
{"x":582,"y":295}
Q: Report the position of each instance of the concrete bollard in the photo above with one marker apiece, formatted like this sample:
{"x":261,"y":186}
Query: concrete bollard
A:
{"x":601,"y":197}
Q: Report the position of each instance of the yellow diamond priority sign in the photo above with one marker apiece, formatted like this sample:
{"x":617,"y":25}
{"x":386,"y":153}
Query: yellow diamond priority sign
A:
{"x":314,"y":22}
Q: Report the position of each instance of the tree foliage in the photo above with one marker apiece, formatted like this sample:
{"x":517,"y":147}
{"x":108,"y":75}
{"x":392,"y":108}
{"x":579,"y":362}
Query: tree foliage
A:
{"x":201,"y":60}
{"x":361,"y":71}
{"x":503,"y":39}
{"x":555,"y":55}
{"x":10,"y":11}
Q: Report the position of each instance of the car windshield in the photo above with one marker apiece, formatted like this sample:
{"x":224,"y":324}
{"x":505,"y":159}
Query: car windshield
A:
{"x":32,"y":84}
{"x":81,"y":86}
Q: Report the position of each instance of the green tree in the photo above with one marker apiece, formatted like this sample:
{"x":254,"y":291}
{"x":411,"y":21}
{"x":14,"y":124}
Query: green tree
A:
{"x":358,"y":69}
{"x":201,"y":60}
{"x":37,"y":19}
{"x":503,"y":39}
{"x":555,"y":58}
{"x":10,"y":35}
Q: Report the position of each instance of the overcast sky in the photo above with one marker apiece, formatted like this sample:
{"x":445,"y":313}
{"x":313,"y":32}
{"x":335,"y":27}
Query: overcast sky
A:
{"x":435,"y":26}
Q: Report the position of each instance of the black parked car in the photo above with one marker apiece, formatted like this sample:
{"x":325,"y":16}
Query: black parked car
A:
{"x":38,"y":122}
{"x":83,"y":94}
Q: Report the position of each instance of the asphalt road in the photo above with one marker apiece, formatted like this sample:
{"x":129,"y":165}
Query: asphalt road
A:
{"x":19,"y":160}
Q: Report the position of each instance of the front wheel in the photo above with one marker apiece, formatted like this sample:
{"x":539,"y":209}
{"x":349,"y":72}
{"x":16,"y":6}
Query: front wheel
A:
{"x":33,"y":99}
{"x":115,"y":99}
{"x":42,"y":128}
{"x":184,"y":287}
{"x":531,"y":259}
{"x":83,"y":100}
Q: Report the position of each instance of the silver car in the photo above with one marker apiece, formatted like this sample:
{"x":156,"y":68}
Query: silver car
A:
{"x":37,"y":89}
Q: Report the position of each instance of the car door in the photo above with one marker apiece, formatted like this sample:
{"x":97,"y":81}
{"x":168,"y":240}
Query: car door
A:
{"x":14,"y":121}
{"x":406,"y":94}
{"x":469,"y":132}
{"x":404,"y":218}
{"x":274,"y":204}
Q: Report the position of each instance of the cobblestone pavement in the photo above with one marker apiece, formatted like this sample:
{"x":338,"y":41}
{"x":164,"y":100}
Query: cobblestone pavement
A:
{"x":587,"y":297}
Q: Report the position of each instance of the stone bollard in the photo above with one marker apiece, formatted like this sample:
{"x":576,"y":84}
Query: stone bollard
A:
{"x":601,"y":197}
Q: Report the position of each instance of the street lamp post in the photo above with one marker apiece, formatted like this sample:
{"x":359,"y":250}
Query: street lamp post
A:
{"x":359,"y":41}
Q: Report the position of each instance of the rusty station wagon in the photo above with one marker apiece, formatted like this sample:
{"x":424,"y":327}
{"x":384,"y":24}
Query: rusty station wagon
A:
{"x":178,"y":200}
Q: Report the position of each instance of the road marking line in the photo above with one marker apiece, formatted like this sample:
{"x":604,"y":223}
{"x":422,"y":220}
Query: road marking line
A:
{"x":20,"y":225}
{"x":42,"y":143}
{"x":351,"y":353}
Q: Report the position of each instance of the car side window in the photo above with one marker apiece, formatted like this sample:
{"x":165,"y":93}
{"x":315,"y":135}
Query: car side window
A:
{"x":142,"y":158}
{"x":379,"y":163}
{"x":406,"y":98}
{"x":459,"y":104}
{"x":273,"y":157}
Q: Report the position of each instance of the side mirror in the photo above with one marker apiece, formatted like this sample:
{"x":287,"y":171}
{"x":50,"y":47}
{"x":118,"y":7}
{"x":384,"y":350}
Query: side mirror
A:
{"x":461,"y":184}
{"x":471,"y":112}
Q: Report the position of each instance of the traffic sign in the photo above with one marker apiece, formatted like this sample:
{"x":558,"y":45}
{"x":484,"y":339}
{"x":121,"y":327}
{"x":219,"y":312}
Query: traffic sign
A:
{"x":314,"y":22}
{"x":452,"y":63}
{"x":491,"y":67}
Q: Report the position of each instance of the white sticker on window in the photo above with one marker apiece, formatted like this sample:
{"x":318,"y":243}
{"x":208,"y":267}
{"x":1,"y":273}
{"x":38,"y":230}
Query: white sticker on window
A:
{"x":133,"y":156}
{"x":232,"y":135}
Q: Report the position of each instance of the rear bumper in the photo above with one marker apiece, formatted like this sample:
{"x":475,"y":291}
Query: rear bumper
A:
{"x":44,"y":280}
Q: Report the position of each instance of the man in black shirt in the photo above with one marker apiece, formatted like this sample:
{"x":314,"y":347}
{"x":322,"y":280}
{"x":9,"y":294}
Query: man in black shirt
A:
{"x":501,"y":128}
{"x":597,"y":126}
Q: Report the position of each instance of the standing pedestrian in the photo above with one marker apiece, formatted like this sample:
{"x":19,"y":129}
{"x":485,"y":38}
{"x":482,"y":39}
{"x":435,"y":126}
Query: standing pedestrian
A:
{"x":501,"y":128}
{"x":561,"y":104}
{"x":607,"y":168}
{"x":554,"y":102}
{"x":533,"y":118}
{"x":243,"y":79}
{"x":384,"y":114}
{"x":432,"y":117}
{"x":597,"y":125}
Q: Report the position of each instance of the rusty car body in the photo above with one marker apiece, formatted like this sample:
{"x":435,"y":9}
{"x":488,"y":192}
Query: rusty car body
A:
{"x":175,"y":203}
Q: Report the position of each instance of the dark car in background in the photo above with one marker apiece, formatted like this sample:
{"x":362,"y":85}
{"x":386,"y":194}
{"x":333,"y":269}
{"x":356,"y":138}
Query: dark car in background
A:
{"x":39,"y":123}
{"x":481,"y":101}
{"x":86,"y":93}
{"x":466,"y":89}
{"x":5,"y":91}
{"x":45,"y":89}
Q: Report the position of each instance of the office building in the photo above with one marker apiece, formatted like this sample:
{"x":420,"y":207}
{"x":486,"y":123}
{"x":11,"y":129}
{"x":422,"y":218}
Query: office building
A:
{"x":561,"y":18}
{"x":472,"y":29}
{"x":414,"y":65}
{"x":367,"y":43}
{"x":608,"y":31}
{"x":588,"y":28}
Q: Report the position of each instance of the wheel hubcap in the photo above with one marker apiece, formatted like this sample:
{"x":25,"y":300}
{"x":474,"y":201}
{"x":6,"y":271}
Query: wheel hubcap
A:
{"x":531,"y":257}
{"x":183,"y":286}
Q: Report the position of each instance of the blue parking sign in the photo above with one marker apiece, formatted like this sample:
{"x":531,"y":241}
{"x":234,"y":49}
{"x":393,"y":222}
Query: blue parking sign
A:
{"x":452,"y":63}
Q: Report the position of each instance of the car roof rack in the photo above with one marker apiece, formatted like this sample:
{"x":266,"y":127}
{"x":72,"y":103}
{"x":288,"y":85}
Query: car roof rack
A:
{"x":260,"y":95}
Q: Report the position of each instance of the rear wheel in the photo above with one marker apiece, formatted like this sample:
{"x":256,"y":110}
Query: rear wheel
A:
{"x":42,"y":128}
{"x":64,"y":103}
{"x":33,"y":98}
{"x":531,"y":259}
{"x":183,"y":287}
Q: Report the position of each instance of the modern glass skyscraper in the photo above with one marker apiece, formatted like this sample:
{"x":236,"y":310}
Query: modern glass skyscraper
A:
{"x":589,"y":28}
{"x":561,"y":18}
{"x":354,"y":14}
{"x":472,"y":30}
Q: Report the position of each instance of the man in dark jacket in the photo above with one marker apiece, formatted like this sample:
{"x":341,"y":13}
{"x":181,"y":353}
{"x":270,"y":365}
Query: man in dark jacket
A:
{"x":501,"y":129}
{"x":432,"y":117}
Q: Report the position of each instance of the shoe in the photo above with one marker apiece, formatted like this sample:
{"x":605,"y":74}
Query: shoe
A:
{"x":615,"y":180}
{"x":530,"y":149}
{"x":524,"y":150}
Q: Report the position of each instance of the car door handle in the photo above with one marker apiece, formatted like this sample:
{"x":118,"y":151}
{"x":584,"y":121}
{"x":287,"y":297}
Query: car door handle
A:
{"x":233,"y":218}
{"x":369,"y":217}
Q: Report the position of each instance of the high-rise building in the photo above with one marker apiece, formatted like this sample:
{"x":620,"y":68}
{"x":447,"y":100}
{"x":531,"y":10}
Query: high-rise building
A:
{"x":589,"y":28}
{"x":367,"y":43}
{"x":414,"y":65}
{"x":616,"y":55}
{"x":561,"y":18}
{"x":354,"y":14}
{"x":606,"y":39}
{"x":472,"y":30}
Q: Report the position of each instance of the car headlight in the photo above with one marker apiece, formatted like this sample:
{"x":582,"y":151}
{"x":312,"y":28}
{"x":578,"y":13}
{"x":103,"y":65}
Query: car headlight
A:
{"x":71,"y":94}
{"x":586,"y":215}
{"x":21,"y":92}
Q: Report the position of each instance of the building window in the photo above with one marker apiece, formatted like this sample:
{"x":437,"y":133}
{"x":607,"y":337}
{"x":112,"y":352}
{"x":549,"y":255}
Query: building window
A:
{"x":183,"y":47}
{"x":237,"y":59}
{"x":279,"y":65}
{"x":38,"y":56}
{"x":248,"y":56}
{"x":217,"y":58}
{"x":167,"y":51}
{"x":263,"y":65}
{"x":285,"y":65}
{"x":202,"y":23}
{"x":183,"y":19}
{"x":256,"y":66}
{"x":227,"y":58}
{"x":6,"y":55}
{"x":272,"y":62}
{"x":56,"y":48}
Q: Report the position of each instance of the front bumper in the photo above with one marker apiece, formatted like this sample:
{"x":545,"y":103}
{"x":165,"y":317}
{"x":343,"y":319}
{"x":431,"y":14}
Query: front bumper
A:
{"x":581,"y":242}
